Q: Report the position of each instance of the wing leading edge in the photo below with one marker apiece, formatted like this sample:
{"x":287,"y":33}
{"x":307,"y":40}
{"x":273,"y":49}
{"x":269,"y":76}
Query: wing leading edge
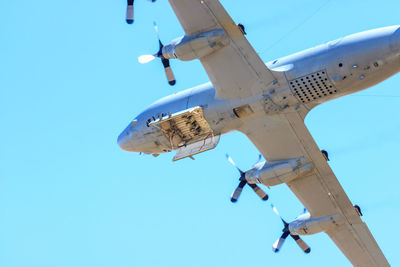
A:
{"x":286,"y":136}
{"x":236,"y":70}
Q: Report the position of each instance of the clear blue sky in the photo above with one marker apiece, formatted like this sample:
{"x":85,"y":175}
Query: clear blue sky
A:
{"x":69,"y":196}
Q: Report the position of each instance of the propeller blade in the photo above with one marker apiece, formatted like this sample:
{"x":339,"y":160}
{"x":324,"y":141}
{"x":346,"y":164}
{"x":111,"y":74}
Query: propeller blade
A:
{"x":129,"y":12}
{"x":301,"y":243}
{"x":278,"y":243}
{"x":233,"y":163}
{"x":277,"y":213}
{"x":167,"y":68}
{"x":275,"y":210}
{"x":156,"y":30}
{"x":237,"y":191}
{"x":143,"y":59}
{"x":258,"y":160}
{"x":259,"y":192}
{"x":168,"y":72}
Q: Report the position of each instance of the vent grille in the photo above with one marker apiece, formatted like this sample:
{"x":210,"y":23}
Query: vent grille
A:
{"x":313,"y":86}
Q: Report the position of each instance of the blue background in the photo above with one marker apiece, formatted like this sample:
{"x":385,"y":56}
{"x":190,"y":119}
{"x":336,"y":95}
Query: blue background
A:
{"x":69,"y":196}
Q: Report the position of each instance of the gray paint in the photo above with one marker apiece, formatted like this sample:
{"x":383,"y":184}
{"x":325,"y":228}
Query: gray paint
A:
{"x":352,"y":63}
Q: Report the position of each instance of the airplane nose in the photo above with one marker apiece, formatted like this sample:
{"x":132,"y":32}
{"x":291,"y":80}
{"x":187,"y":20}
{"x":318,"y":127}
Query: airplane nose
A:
{"x":123,"y":140}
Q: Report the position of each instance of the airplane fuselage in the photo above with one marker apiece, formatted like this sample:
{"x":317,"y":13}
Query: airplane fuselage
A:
{"x":304,"y":80}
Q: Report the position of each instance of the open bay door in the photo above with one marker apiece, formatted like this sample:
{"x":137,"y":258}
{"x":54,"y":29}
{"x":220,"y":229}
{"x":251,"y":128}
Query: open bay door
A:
{"x":187,"y":131}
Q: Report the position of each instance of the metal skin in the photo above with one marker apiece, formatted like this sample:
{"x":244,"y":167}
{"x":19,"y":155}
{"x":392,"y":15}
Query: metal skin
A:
{"x":306,"y":225}
{"x":278,"y":172}
{"x":197,"y":46}
{"x":352,"y":63}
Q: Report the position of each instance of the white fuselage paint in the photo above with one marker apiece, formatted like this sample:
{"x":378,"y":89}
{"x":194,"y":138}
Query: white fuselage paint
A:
{"x":346,"y":66}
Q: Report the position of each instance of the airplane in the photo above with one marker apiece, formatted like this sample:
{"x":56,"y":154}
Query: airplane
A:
{"x":268,"y":102}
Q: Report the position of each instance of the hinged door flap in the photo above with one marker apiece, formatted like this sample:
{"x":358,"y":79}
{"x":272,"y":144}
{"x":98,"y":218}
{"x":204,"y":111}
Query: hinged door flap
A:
{"x":197,"y":147}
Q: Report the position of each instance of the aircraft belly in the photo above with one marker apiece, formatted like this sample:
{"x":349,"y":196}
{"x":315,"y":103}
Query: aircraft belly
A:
{"x":313,"y":87}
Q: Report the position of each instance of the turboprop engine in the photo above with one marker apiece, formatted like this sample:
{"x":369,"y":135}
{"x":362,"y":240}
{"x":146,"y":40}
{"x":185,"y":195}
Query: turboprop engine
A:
{"x":187,"y":48}
{"x":307,"y":225}
{"x":304,"y":225}
{"x":270,"y":174}
{"x":195,"y":46}
{"x":278,"y":172}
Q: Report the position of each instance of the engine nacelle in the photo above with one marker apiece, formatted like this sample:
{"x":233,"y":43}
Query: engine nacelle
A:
{"x":278,"y":172}
{"x":196,"y":46}
{"x":306,"y":225}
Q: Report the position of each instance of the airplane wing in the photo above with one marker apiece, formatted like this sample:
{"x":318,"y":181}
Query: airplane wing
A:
{"x":280,"y":136}
{"x":244,"y":74}
{"x":285,"y":136}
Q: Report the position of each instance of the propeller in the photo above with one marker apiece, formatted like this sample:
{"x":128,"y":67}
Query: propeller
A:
{"x":130,"y":13}
{"x":143,"y":59}
{"x":276,"y":247}
{"x":243,"y":182}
